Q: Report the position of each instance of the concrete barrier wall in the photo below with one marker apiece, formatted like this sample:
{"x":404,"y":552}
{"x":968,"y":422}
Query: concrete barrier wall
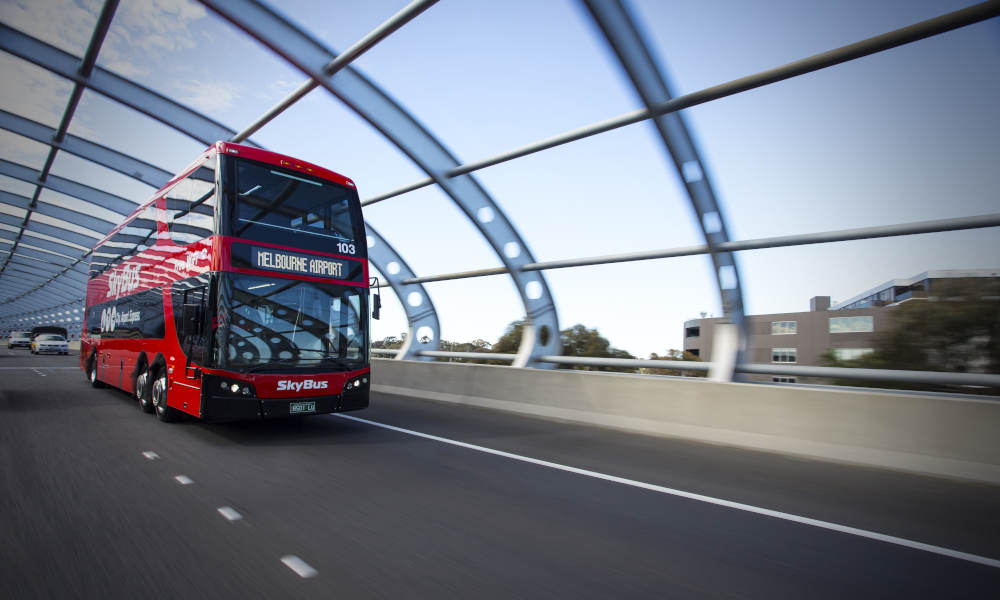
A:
{"x":912,"y":432}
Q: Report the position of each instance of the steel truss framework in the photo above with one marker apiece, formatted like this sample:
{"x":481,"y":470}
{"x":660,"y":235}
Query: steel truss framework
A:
{"x":43,"y":274}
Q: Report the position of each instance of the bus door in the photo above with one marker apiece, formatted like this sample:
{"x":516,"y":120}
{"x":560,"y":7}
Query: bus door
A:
{"x":192,"y":338}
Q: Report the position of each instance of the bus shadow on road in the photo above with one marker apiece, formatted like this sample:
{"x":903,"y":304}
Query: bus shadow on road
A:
{"x":316,"y":430}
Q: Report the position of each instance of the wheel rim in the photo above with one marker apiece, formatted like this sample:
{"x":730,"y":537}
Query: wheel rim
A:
{"x":140,"y":386}
{"x":93,"y":374}
{"x":158,"y":387}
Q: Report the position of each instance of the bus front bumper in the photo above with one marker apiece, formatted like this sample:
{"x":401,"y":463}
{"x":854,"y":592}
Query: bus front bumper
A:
{"x":230,"y":408}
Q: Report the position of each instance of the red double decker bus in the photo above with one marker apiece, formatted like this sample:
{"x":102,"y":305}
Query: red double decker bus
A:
{"x":239,"y":291}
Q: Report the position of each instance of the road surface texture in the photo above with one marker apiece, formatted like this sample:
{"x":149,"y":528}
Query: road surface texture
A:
{"x":102,"y":501}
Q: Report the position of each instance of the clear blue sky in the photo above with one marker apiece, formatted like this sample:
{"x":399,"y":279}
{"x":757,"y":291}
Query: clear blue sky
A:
{"x":907,"y":135}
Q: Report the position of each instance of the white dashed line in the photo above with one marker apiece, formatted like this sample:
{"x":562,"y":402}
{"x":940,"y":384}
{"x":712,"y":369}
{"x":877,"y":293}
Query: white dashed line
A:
{"x":184,"y":480}
{"x":301,"y":568}
{"x":151,"y":455}
{"x":872,"y":535}
{"x":229,"y":513}
{"x":38,"y":372}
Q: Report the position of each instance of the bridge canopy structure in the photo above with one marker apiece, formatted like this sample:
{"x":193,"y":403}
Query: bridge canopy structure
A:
{"x":524,"y":162}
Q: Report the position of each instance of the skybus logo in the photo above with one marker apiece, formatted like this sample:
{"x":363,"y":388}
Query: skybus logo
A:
{"x":287,"y":385}
{"x":122,"y":282}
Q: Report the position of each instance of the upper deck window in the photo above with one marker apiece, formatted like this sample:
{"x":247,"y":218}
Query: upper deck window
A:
{"x":191,"y":206}
{"x":292,"y":209}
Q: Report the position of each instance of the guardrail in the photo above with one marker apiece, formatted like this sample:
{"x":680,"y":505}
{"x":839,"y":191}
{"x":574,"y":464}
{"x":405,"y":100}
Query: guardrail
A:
{"x":911,"y":431}
{"x":884,"y":375}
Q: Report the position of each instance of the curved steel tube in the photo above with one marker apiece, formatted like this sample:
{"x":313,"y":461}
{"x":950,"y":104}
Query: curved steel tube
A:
{"x":416,"y":301}
{"x":621,"y":32}
{"x":403,"y":130}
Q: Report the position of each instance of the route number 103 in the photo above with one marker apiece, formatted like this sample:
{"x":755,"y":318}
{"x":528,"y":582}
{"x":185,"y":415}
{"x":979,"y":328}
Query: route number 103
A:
{"x":345,"y":248}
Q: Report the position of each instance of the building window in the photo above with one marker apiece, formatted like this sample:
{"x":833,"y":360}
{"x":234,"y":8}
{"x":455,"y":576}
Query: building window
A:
{"x":692,"y":331}
{"x":851,"y":324}
{"x":783,"y":355}
{"x":784,"y":327}
{"x":850,"y":353}
{"x":783,"y":380}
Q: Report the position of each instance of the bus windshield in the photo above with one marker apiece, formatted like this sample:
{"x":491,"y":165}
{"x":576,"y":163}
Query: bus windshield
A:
{"x":292,"y":209}
{"x":276,"y":322}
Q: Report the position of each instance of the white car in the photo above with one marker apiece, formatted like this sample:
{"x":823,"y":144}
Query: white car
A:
{"x":49,"y":343}
{"x":19,"y":339}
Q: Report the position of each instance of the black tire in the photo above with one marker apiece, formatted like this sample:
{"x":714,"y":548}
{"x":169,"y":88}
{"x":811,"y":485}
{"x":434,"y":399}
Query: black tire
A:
{"x":158,"y":394}
{"x":92,"y":373}
{"x":142,"y":391}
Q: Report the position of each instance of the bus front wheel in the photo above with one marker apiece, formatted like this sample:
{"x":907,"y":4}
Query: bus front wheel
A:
{"x":92,"y":373}
{"x":159,"y":394}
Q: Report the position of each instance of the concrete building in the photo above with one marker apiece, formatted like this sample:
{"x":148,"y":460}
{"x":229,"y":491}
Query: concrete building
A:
{"x":801,"y":338}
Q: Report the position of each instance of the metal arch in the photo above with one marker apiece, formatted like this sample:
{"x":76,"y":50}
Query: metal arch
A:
{"x":84,"y":69}
{"x":395,"y":270}
{"x":57,"y":293}
{"x":69,"y":187}
{"x":60,"y":232}
{"x":54,"y":246}
{"x":41,"y":265}
{"x":25,"y":285}
{"x":617,"y":25}
{"x":122,"y":90}
{"x":398,"y":126}
{"x":55,"y":259}
{"x":102,"y":155}
{"x":62,"y":270}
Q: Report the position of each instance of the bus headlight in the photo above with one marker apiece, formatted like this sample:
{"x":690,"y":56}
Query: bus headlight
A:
{"x":234,"y":388}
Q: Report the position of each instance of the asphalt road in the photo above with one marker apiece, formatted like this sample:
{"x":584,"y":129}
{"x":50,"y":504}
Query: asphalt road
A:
{"x":331,"y":507}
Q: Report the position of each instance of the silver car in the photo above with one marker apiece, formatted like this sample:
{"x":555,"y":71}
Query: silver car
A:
{"x":49,"y":343}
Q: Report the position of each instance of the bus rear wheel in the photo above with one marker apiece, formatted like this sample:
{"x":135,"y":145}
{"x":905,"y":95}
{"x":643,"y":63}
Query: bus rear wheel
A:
{"x":159,"y":396}
{"x":142,"y":391}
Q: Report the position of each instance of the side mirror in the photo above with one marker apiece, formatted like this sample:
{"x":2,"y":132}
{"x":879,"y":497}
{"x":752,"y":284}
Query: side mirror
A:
{"x":376,"y":298}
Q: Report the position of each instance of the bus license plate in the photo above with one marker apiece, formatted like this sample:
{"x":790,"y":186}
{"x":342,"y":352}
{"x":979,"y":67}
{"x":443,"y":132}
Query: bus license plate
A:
{"x":301,"y":407}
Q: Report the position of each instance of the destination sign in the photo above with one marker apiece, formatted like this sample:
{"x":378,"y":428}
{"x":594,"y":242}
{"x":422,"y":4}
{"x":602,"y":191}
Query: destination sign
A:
{"x":284,"y":261}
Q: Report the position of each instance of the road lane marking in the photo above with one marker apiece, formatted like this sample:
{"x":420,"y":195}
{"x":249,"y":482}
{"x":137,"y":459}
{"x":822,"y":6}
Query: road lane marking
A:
{"x":31,"y":367}
{"x":38,"y":372}
{"x":151,"y":455}
{"x":872,"y":535}
{"x":229,"y":513}
{"x":184,"y":479}
{"x":301,"y":568}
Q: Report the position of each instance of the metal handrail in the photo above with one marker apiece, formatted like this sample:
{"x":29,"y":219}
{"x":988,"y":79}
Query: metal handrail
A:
{"x":884,"y":375}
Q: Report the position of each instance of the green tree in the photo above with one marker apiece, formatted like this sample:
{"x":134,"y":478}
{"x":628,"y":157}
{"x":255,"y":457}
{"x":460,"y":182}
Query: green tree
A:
{"x":510,"y":341}
{"x":577,"y":340}
{"x":390,"y":342}
{"x":956,"y":328}
{"x":674,"y":355}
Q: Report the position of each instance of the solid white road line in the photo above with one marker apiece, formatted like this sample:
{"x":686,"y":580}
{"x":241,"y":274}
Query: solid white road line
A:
{"x":31,"y":367}
{"x":184,"y":479}
{"x":229,"y":513}
{"x":299,"y":566}
{"x":982,"y":560}
{"x":151,"y":455}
